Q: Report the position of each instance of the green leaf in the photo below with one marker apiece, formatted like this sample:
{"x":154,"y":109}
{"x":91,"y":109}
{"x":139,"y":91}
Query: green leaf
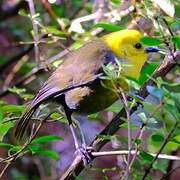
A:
{"x":44,"y":139}
{"x":13,"y":108}
{"x":108,"y":26}
{"x":157,"y":137}
{"x":146,"y":156}
{"x":54,"y":31}
{"x":150,"y":41}
{"x":22,"y":12}
{"x":4,"y":128}
{"x":176,"y":139}
{"x":15,"y":149}
{"x":116,"y":2}
{"x":147,"y":71}
{"x":161,"y":165}
{"x":6,"y":145}
{"x":115,"y":107}
{"x":137,"y":141}
{"x":56,"y":115}
{"x":49,"y":153}
{"x":176,"y":40}
{"x":1,"y":114}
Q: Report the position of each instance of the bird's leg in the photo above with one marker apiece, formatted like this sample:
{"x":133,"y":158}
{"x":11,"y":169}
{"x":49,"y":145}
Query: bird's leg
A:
{"x":80,"y":132}
{"x":74,"y":136}
{"x":80,"y":149}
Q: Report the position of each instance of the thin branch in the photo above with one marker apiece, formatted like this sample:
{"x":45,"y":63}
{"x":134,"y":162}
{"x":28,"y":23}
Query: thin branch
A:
{"x":49,"y":9}
{"x":141,"y":130}
{"x":35,"y":30}
{"x":126,"y":152}
{"x":127,"y":109}
{"x":161,"y":149}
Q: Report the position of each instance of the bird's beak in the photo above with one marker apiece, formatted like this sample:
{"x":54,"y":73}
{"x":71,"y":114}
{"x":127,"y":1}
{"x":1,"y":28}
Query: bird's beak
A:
{"x":152,"y":49}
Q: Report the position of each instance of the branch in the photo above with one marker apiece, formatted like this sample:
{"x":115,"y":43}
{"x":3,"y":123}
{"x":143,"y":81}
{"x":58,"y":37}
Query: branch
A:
{"x":125,"y":152}
{"x":77,"y":165}
{"x":35,"y":30}
{"x":162,"y":147}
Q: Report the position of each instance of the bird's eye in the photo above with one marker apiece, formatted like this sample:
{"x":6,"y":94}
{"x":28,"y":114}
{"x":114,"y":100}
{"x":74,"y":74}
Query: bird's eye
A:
{"x":138,"y":46}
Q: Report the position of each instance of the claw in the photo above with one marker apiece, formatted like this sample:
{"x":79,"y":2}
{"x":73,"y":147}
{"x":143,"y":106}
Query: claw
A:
{"x":85,"y":153}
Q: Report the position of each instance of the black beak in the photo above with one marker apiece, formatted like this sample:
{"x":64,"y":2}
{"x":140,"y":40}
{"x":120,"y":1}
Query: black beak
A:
{"x":152,"y":49}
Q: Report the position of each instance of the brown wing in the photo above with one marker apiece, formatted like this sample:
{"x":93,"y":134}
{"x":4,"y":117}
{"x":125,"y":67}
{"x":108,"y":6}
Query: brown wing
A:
{"x":80,"y":67}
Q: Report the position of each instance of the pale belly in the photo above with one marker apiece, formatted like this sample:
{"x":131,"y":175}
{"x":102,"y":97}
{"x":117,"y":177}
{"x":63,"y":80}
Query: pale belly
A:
{"x":87,"y":100}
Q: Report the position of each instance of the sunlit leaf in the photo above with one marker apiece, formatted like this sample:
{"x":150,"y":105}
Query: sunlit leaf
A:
{"x":4,"y":129}
{"x":44,"y":139}
{"x":54,"y":31}
{"x":176,"y":40}
{"x":150,"y":41}
{"x":13,"y":108}
{"x":108,"y":26}
{"x":146,"y":156}
{"x":49,"y":153}
{"x":6,"y":145}
{"x":157,"y":137}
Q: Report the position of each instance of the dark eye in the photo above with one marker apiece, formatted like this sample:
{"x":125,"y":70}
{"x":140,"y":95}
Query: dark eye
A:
{"x":138,"y":46}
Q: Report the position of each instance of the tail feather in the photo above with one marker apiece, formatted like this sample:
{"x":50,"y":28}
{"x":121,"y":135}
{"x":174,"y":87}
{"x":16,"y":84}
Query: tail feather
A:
{"x":22,"y":124}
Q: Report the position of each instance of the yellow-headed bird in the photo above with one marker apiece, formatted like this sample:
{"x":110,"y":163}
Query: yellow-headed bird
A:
{"x":77,"y":83}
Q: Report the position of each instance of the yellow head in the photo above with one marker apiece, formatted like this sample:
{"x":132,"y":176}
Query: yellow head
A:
{"x":126,"y":45}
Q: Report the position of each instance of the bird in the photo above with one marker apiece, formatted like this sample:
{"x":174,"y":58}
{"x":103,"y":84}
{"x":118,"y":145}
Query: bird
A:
{"x":77,"y":84}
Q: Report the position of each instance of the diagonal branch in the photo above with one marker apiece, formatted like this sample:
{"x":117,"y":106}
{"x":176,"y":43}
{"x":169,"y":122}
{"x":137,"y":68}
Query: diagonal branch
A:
{"x":77,"y":165}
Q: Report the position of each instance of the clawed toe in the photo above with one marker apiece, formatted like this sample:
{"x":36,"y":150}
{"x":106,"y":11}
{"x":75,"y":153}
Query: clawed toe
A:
{"x":85,"y":153}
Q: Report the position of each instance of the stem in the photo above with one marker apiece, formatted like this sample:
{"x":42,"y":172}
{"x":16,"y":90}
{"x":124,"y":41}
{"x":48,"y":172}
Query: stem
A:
{"x":160,"y":150}
{"x":35,"y":29}
{"x":129,"y":133}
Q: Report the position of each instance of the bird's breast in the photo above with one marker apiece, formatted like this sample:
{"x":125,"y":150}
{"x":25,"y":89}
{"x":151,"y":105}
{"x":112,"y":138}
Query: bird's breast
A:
{"x":91,"y":99}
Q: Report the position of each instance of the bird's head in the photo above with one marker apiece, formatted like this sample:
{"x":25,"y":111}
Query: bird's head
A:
{"x":126,"y":45}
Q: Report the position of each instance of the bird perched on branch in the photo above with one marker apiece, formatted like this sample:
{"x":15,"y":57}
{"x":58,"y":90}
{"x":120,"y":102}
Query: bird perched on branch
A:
{"x":77,"y":83}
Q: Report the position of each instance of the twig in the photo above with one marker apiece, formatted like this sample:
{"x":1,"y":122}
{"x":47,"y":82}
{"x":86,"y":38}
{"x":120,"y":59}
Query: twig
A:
{"x":127,"y":109}
{"x":160,"y":150}
{"x":140,"y":133}
{"x":35,"y":29}
{"x":125,"y":152}
{"x":54,"y":16}
{"x":13,"y":72}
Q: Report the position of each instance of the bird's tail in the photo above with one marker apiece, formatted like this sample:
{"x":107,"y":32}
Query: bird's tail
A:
{"x":21,"y":126}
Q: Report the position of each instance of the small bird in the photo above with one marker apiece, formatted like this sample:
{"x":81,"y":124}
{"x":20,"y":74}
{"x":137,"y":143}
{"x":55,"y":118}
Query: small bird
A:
{"x":77,"y":83}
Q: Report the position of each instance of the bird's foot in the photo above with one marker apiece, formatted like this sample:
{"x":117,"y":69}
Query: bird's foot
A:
{"x":85,"y":153}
